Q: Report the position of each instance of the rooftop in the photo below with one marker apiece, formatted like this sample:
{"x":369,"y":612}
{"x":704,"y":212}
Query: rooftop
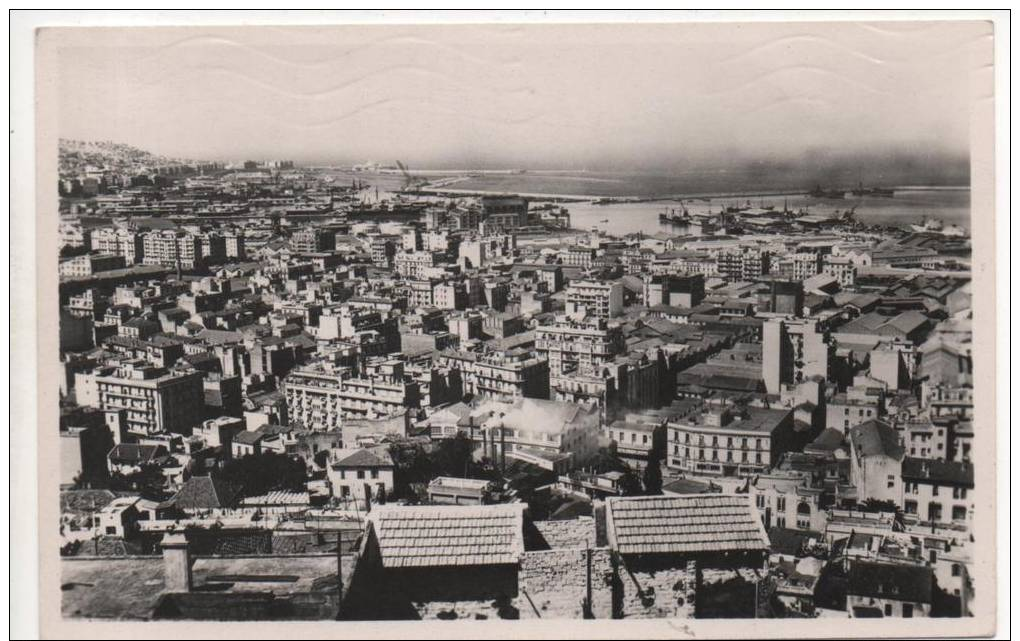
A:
{"x":455,"y":535}
{"x":685,"y":524}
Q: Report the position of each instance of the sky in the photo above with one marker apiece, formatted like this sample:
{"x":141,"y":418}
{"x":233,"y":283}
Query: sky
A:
{"x":530,"y":96}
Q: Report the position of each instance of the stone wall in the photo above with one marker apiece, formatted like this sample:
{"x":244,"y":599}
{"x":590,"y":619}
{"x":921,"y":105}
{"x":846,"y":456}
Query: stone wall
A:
{"x":555,"y":584}
{"x":655,"y":588}
{"x":568,"y":533}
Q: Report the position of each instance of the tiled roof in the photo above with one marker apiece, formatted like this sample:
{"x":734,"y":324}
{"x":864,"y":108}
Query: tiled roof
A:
{"x":684,"y":524}
{"x":876,"y":438}
{"x":362,"y":457}
{"x":205,"y":492}
{"x":456,"y":535}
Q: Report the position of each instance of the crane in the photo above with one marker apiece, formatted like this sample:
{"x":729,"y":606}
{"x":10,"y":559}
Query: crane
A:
{"x":410,"y":181}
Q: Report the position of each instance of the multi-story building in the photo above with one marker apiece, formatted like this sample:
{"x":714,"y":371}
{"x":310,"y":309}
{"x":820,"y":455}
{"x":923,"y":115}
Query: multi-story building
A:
{"x":787,"y":297}
{"x":731,"y":441}
{"x":416,"y":264}
{"x":585,"y":345}
{"x":382,"y":249}
{"x":234,"y":245}
{"x":154,"y":400}
{"x":787,"y":499}
{"x":504,"y":212}
{"x":85,"y":266}
{"x":747,"y":263}
{"x":637,"y":442}
{"x":320,"y":397}
{"x":553,"y":435}
{"x":499,"y":376}
{"x":173,"y":248}
{"x":121,"y":242}
{"x":675,"y":291}
{"x":805,"y":265}
{"x":313,"y":239}
{"x":875,"y":461}
{"x":450,"y":295}
{"x":578,"y":256}
{"x":841,"y":268}
{"x":594,"y":298}
{"x":793,"y":351}
{"x":938,"y":493}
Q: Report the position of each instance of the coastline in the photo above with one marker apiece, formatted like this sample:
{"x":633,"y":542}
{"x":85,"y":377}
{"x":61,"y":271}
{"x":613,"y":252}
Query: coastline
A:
{"x":616,"y":200}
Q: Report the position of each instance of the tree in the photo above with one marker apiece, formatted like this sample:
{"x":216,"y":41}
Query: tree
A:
{"x":147,"y":481}
{"x":258,"y":474}
{"x":653,"y":478}
{"x":68,"y":251}
{"x":629,"y":484}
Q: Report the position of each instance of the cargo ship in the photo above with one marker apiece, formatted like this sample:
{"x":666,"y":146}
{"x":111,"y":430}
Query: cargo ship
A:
{"x":878,"y":192}
{"x":831,"y":194}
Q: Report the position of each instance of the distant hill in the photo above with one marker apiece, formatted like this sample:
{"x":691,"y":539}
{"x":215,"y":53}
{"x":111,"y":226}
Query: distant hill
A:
{"x":80,"y":156}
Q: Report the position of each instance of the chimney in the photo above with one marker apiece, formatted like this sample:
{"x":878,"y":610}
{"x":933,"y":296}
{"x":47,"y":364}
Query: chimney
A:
{"x":601,"y":532}
{"x":176,"y":562}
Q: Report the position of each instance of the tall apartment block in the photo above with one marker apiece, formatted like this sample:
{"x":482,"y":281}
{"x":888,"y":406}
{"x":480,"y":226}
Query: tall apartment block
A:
{"x":153,"y":399}
{"x":594,"y":298}
{"x":793,"y":351}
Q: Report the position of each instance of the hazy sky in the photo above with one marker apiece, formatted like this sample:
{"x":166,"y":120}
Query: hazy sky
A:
{"x":528,"y":96}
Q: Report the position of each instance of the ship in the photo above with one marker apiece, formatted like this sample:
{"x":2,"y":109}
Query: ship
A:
{"x":878,"y":192}
{"x":831,"y":194}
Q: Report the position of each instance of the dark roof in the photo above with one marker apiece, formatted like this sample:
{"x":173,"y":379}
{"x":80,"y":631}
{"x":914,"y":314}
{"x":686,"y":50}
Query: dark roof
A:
{"x":830,"y":439}
{"x":791,"y":542}
{"x":936,"y":471}
{"x":684,"y":524}
{"x":896,"y":581}
{"x":364,"y":457}
{"x":454,"y":535}
{"x":248,"y":437}
{"x":130,"y":453}
{"x":876,"y":438}
{"x":206,"y":492}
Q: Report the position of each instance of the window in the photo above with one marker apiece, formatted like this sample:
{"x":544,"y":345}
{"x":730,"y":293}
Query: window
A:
{"x":934,"y":490}
{"x":956,"y":569}
{"x":361,"y":474}
{"x":908,"y":610}
{"x":375,"y":474}
{"x":110,"y":529}
{"x":888,"y":609}
{"x":781,"y":503}
{"x":959,"y":513}
{"x":910,"y":507}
